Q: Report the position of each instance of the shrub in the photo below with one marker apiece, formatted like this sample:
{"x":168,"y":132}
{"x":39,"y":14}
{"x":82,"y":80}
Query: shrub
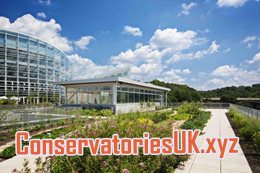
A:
{"x":89,"y":112}
{"x":197,"y":122}
{"x":2,"y":138}
{"x":7,"y":153}
{"x":189,"y":108}
{"x":145,"y":121}
{"x":158,"y":117}
{"x":181,"y":116}
{"x":248,"y":131}
{"x":256,"y":139}
{"x":106,"y":112}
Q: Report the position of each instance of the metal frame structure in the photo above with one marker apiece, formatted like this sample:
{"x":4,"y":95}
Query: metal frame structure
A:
{"x":112,"y":92}
{"x":28,"y":65}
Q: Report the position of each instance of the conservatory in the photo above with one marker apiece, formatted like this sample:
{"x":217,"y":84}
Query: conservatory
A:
{"x":117,"y":93}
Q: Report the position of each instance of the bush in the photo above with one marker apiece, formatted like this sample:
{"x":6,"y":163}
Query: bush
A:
{"x":158,"y":117}
{"x":256,"y":139}
{"x":239,"y":119}
{"x":7,"y":153}
{"x":89,"y":112}
{"x":181,"y":116}
{"x":248,"y":131}
{"x":2,"y":138}
{"x":106,"y":112}
{"x":197,"y":122}
{"x":189,"y":108}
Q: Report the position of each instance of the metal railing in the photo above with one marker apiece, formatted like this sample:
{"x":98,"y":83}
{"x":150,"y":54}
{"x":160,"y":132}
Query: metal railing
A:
{"x":204,"y":105}
{"x":250,"y":112}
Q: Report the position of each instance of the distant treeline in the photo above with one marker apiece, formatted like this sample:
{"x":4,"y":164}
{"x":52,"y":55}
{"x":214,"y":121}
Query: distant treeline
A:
{"x":180,"y":93}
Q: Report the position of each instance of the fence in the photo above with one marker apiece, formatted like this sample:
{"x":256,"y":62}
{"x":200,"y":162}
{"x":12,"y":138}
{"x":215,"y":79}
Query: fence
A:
{"x":204,"y":105}
{"x":250,"y":112}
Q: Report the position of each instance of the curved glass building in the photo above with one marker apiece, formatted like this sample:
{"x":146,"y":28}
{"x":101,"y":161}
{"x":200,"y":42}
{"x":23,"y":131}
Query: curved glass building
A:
{"x":29,"y":66}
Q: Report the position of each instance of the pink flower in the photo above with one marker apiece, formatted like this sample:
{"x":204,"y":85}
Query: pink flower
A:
{"x":126,"y":171}
{"x":105,"y":163}
{"x":141,"y":164}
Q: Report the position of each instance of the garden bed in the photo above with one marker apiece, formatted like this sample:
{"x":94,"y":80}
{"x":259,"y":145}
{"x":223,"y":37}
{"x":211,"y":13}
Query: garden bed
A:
{"x":130,"y":125}
{"x":247,"y":142}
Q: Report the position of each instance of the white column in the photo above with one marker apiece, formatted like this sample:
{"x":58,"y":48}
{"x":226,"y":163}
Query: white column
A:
{"x":114,"y":94}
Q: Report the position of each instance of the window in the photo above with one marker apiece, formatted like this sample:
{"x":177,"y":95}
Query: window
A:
{"x":11,"y":41}
{"x":2,"y":39}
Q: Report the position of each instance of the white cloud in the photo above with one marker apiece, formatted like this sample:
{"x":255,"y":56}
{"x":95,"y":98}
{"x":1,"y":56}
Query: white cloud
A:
{"x":251,"y":41}
{"x":231,"y":3}
{"x":45,"y":2}
{"x":225,"y":70}
{"x":48,"y":31}
{"x":216,"y":81}
{"x":229,"y":75}
{"x":135,"y":31}
{"x":146,"y":60}
{"x":41,"y":15}
{"x":172,"y":77}
{"x":142,"y":61}
{"x":138,"y":45}
{"x":214,"y":47}
{"x":186,"y":8}
{"x":86,"y":68}
{"x":84,"y":41}
{"x":227,"y":50}
{"x":142,"y":54}
{"x":186,"y":71}
{"x":172,"y":39}
{"x":255,"y":59}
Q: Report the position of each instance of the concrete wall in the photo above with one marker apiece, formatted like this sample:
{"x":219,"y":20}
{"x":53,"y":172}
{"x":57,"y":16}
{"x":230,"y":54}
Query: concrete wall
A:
{"x":134,"y":107}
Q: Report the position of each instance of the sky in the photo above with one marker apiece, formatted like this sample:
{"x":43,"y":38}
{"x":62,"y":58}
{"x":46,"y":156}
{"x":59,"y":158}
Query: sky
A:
{"x":204,"y":44}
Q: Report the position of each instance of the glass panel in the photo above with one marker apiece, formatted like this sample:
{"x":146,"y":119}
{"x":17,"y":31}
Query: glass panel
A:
{"x":124,"y":97}
{"x":131,"y":97}
{"x":119,"y":97}
{"x":11,"y":41}
{"x":106,"y":98}
{"x":2,"y":39}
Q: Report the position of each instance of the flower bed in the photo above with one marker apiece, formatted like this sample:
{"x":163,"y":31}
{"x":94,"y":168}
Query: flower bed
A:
{"x":158,"y":124}
{"x":249,"y":132}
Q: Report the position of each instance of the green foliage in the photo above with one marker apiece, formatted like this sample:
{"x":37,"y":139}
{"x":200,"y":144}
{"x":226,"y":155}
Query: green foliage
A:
{"x":248,"y":128}
{"x":189,"y":108}
{"x":247,"y":131}
{"x":158,"y":117}
{"x":179,"y":93}
{"x":197,"y":122}
{"x":126,"y":125}
{"x":256,"y":139}
{"x":8,"y":152}
{"x":8,"y":102}
{"x":181,"y":116}
{"x":2,"y":138}
{"x":106,"y":113}
{"x":229,"y":94}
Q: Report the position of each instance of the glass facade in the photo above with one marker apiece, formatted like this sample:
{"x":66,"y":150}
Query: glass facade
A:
{"x":131,"y":94}
{"x":89,"y":95}
{"x":29,"y":65}
{"x":103,"y":94}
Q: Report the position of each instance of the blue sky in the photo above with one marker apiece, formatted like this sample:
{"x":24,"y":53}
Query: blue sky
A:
{"x":205,"y":44}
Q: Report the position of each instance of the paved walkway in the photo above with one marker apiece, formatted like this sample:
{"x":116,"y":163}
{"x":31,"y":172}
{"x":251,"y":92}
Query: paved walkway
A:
{"x":218,"y":126}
